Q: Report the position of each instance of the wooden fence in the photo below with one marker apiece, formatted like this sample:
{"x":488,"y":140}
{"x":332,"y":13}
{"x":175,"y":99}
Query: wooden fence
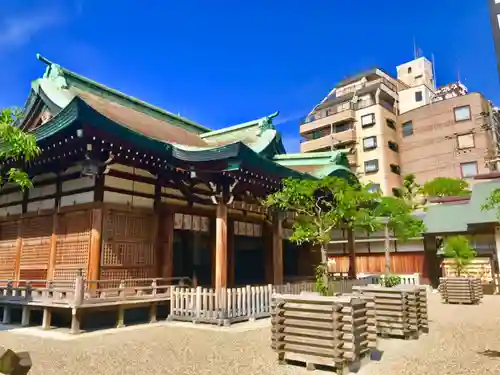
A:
{"x":229,"y":305}
{"x":406,"y":279}
{"x":223,"y":306}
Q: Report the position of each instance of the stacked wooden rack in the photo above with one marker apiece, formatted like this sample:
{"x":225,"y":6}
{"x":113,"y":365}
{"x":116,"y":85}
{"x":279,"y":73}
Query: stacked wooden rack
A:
{"x":400,"y":311}
{"x":337,"y":332}
{"x":462,"y":290}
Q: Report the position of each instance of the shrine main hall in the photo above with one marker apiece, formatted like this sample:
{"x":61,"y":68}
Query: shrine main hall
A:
{"x":126,"y":190}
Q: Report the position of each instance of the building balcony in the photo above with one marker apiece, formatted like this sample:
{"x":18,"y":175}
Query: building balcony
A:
{"x":312,"y":123}
{"x":327,"y":141}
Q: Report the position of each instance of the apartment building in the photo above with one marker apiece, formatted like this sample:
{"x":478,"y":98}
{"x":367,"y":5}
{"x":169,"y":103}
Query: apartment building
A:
{"x":360,"y":115}
{"x":394,"y":126}
{"x":494,"y":6}
{"x":453,"y":137}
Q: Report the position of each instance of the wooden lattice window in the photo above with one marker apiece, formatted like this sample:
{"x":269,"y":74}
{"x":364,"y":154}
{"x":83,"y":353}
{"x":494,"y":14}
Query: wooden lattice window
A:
{"x":37,"y":235}
{"x":127,"y":246}
{"x":73,"y":239}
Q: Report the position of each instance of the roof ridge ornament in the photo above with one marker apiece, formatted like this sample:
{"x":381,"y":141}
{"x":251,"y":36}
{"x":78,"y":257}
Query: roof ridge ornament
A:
{"x":55,"y":74}
{"x":266,"y":123}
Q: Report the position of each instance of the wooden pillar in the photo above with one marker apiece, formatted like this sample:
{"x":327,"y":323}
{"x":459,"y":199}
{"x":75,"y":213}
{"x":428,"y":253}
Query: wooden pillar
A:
{"x":230,"y":253}
{"x":95,"y":245}
{"x":267,"y":234}
{"x":277,"y":249}
{"x":168,"y":230}
{"x":158,"y":231}
{"x":213,"y":242}
{"x":353,"y":272}
{"x":19,"y":247}
{"x":53,"y":248}
{"x":221,"y":246}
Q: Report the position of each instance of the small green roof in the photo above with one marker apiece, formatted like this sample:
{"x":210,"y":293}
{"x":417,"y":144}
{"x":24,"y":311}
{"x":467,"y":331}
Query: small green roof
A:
{"x":457,"y":218}
{"x":480,"y":193}
{"x":446,"y":218}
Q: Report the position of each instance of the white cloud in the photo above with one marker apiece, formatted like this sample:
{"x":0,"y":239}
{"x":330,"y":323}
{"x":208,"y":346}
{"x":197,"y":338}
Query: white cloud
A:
{"x":19,"y":29}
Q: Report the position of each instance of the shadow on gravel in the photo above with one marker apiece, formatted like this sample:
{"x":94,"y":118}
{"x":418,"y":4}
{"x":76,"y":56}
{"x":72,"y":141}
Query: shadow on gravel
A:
{"x":490,"y":353}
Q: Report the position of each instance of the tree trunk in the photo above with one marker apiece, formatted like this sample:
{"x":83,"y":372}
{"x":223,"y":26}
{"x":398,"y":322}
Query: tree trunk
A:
{"x":324,"y":262}
{"x":352,"y":254}
{"x":387,"y":244}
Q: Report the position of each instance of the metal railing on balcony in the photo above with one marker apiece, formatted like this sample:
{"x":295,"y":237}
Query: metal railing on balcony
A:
{"x":330,"y":112}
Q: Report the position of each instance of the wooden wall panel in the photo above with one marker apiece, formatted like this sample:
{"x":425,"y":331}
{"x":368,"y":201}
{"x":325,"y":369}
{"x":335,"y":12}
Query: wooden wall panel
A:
{"x":36,"y":234}
{"x":127,"y":245}
{"x":72,"y":245}
{"x":8,"y":248}
{"x":374,"y":263}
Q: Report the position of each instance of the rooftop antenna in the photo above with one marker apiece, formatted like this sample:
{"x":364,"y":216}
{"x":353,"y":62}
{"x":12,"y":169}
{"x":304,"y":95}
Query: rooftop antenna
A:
{"x":434,"y":70}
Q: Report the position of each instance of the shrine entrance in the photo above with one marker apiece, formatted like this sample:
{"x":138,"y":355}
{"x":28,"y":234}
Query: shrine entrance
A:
{"x":249,"y":254}
{"x":192,"y":249}
{"x":291,"y":256}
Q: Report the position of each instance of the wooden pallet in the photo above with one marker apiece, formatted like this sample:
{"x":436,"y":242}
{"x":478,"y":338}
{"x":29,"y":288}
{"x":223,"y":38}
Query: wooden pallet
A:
{"x":337,"y":332}
{"x":460,"y":290}
{"x":314,"y":363}
{"x":400,"y":311}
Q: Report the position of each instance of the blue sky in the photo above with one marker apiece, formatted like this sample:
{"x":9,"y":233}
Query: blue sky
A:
{"x":224,"y":62}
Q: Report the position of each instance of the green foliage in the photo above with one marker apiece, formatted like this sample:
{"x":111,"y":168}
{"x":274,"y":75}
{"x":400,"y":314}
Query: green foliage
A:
{"x":17,"y":147}
{"x":390,"y":281}
{"x":446,"y":187}
{"x":493,"y":203}
{"x":459,"y":250}
{"x":323,"y":205}
{"x":400,"y":220}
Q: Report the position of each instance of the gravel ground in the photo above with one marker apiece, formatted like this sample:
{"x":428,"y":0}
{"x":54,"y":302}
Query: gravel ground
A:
{"x":460,"y":336}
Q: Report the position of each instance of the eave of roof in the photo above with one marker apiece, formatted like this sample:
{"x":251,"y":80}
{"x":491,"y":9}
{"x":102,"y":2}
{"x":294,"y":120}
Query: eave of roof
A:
{"x":78,"y":111}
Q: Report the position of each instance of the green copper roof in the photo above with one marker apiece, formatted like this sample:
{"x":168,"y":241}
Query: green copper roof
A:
{"x":67,"y":78}
{"x":446,"y":218}
{"x":76,"y":102}
{"x":263,"y":122}
{"x":457,"y":218}
{"x":480,"y":192}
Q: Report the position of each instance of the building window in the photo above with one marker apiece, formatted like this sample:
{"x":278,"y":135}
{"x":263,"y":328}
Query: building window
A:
{"x":407,"y":129}
{"x":342,"y":128}
{"x":374,"y":188}
{"x":390,"y":123}
{"x":462,"y":113}
{"x":469,"y":169}
{"x":369,"y":143}
{"x":368,"y":120}
{"x":317,"y":134}
{"x":371,"y":166}
{"x":465,"y":141}
{"x":395,"y":168}
{"x":409,"y":70}
{"x":418,"y":96}
{"x":393,"y":146}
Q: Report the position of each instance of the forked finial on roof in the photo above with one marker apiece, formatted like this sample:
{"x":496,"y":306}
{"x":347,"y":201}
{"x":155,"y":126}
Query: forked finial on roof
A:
{"x":339,"y":157}
{"x":53,"y":73}
{"x":266,"y":123}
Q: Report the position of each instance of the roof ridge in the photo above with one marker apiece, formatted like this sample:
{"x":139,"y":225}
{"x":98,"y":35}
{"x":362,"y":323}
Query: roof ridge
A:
{"x":239,"y":126}
{"x":123,"y":95}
